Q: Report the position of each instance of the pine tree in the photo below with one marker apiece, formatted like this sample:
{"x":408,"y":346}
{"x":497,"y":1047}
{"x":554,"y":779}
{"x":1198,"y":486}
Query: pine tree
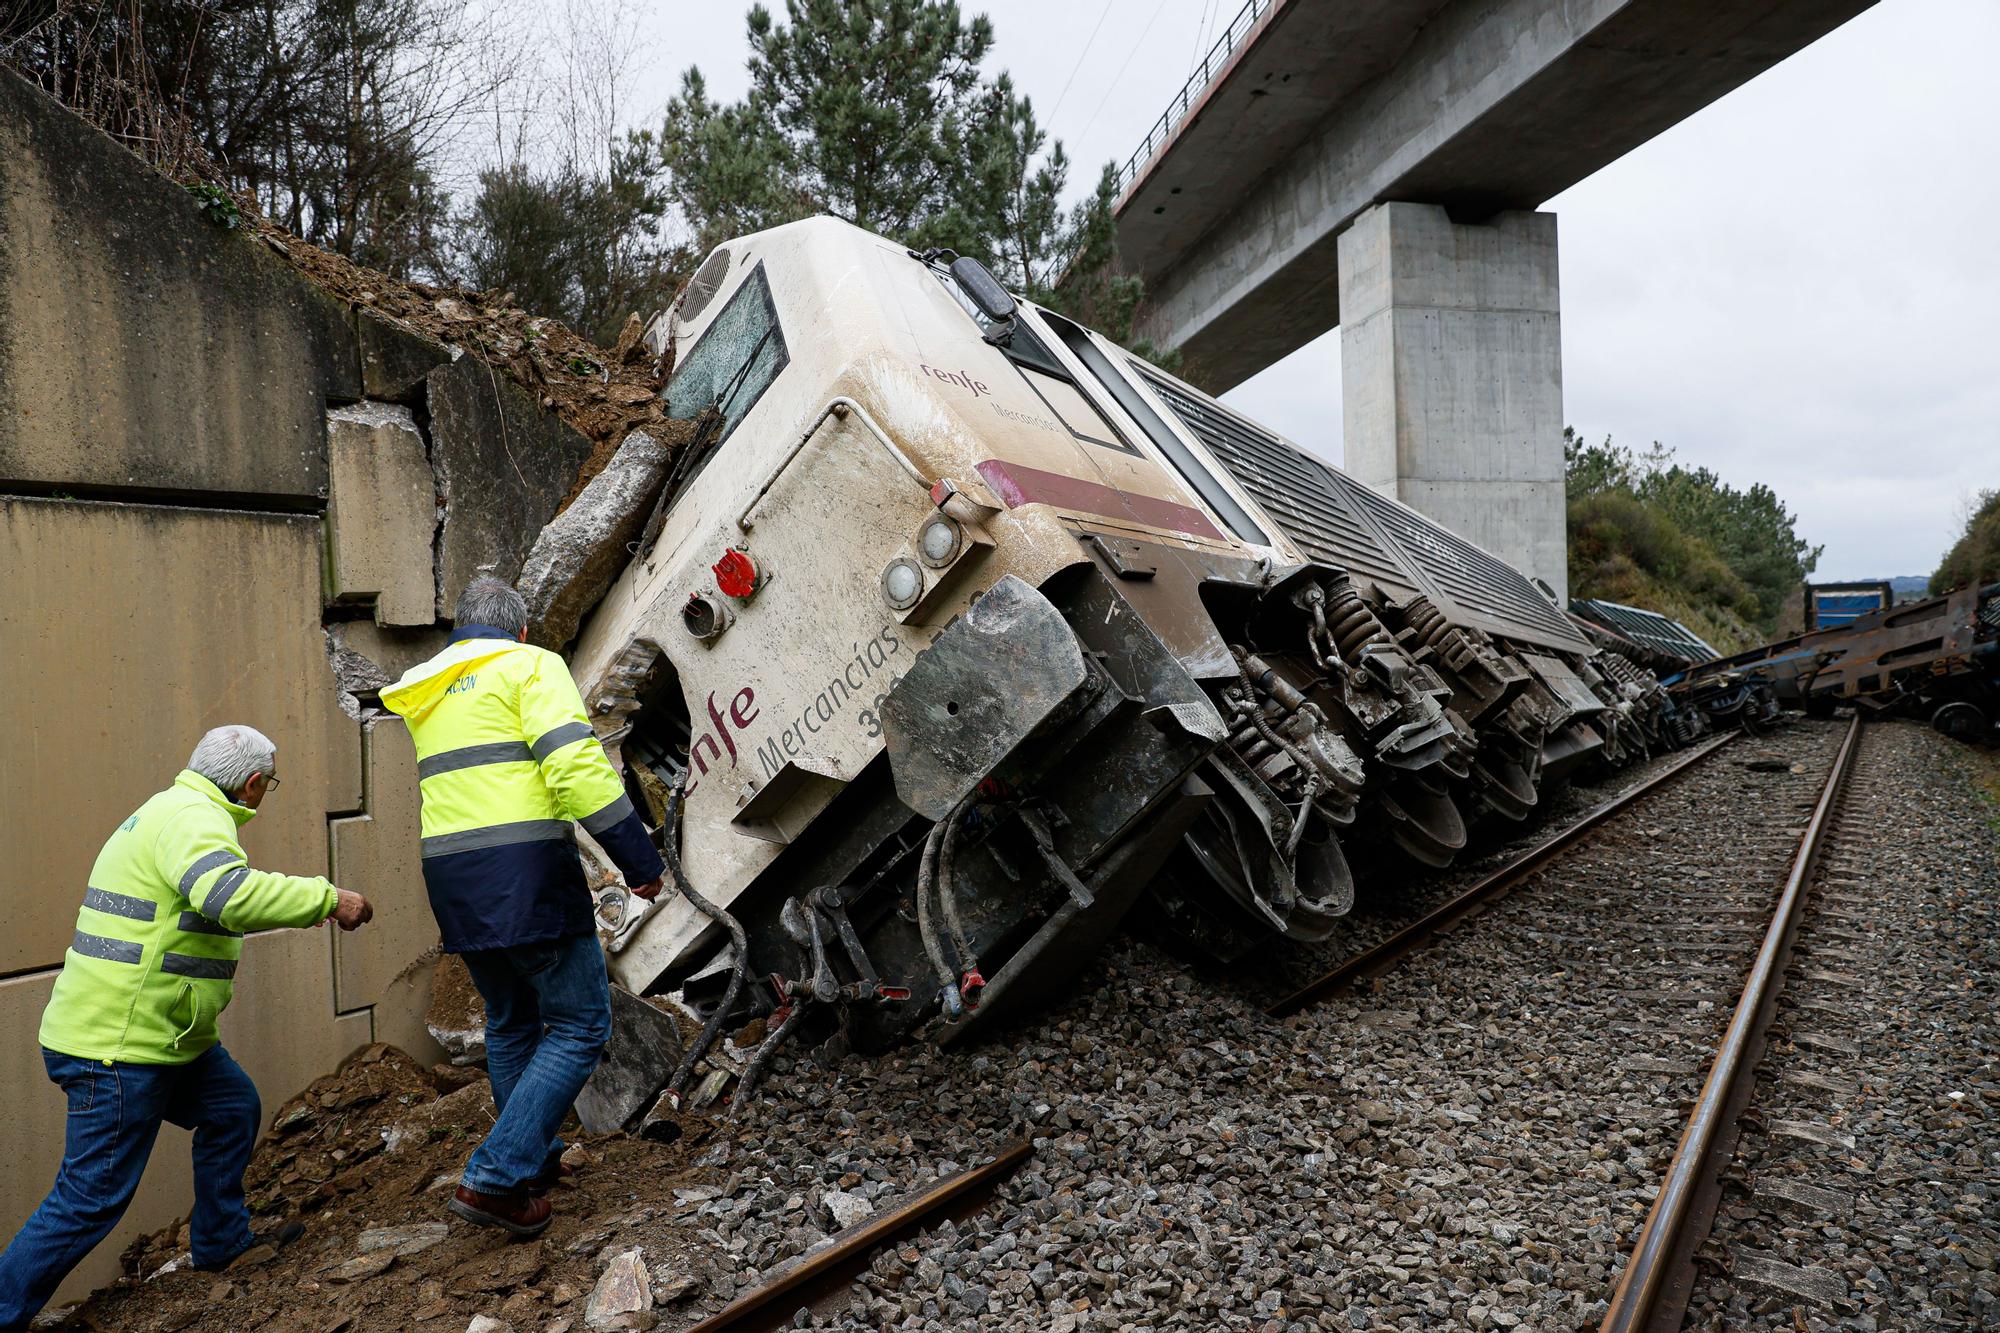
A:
{"x":876,"y":111}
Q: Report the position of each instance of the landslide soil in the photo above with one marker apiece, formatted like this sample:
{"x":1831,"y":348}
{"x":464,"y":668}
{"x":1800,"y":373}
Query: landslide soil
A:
{"x":603,"y":393}
{"x":380,"y":1143}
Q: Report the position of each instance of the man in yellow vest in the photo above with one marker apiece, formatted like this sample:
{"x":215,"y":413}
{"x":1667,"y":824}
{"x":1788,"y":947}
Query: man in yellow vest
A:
{"x":506,"y":759}
{"x":129,"y":1032}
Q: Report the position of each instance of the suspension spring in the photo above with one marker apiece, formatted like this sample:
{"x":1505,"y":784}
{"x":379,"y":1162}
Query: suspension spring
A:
{"x":1427,"y":621}
{"x":1456,"y":646}
{"x":1627,"y":671}
{"x":1353,"y":624}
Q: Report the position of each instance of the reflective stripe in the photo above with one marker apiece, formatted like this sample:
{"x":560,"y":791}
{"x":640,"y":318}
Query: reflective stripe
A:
{"x":609,"y":816}
{"x":194,"y":923}
{"x":203,"y":866}
{"x":550,"y":741}
{"x":498,"y":835}
{"x":225,"y":889}
{"x":187,"y":965}
{"x":111,"y":951}
{"x":119,"y":904}
{"x":475,"y":756}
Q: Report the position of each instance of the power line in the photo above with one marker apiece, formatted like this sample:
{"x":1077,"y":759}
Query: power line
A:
{"x":1102,"y":14}
{"x":1201,"y":33}
{"x":1115,"y":78}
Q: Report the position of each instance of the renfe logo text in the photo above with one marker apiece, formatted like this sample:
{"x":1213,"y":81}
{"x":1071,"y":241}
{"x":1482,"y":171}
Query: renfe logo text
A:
{"x":742,"y":712}
{"x":958,"y":377}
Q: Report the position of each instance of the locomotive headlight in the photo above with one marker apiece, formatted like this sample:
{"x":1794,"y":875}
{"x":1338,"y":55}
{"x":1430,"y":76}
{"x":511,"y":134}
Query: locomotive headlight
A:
{"x":902,"y":583}
{"x":940,"y":541}
{"x":705,"y":617}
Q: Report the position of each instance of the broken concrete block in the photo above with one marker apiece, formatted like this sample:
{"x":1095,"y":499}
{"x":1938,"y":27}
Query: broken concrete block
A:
{"x":578,"y":555}
{"x":381,"y":512}
{"x":355,"y":673}
{"x":394,"y":360}
{"x":639,"y":1059}
{"x":503,"y":465}
{"x":386,"y":650}
{"x":625,"y":1289}
{"x":486,"y":1323}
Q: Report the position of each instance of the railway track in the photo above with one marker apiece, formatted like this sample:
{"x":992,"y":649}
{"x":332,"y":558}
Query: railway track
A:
{"x":818,"y":1279}
{"x":1372,"y":962}
{"x":1476,"y":1136}
{"x":1634,"y":947}
{"x":1661,"y":1276}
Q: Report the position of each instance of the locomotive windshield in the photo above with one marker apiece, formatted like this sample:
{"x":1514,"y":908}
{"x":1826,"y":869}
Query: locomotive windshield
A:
{"x":731,"y":364}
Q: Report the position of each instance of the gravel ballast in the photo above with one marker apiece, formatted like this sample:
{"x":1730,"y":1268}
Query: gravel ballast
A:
{"x":1472,"y":1143}
{"x":1862,"y":1195}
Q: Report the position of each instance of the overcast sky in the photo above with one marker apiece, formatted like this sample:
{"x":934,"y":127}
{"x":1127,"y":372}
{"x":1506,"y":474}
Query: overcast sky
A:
{"x":1797,"y":286}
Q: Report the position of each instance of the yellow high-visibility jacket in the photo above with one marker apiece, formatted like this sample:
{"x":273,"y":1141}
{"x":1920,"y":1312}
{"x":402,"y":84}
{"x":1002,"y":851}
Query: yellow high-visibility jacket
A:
{"x":506,"y":759}
{"x":151,"y":965}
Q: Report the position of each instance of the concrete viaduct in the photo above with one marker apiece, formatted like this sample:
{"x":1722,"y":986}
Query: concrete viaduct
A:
{"x":1374,"y":164}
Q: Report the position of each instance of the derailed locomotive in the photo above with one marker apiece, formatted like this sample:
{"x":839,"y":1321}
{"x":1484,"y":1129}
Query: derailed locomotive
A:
{"x":961,"y":630}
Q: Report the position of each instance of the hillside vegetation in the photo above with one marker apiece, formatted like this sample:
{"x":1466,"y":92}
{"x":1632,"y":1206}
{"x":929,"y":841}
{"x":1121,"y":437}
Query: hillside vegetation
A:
{"x":1647,"y":531}
{"x":459,"y":143}
{"x":1975,"y":556}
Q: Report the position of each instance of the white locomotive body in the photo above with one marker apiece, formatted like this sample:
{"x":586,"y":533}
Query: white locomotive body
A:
{"x":960,"y":628}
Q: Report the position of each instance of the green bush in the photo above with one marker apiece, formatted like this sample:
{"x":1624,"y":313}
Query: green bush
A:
{"x":1646,"y":530}
{"x":1975,"y":556}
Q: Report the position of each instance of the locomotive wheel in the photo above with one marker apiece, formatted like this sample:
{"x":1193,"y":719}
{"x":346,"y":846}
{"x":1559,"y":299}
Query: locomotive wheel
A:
{"x":1326,"y":889}
{"x":1424,"y":822}
{"x":1506,"y":787}
{"x":1232,"y":848}
{"x":1961,"y":721}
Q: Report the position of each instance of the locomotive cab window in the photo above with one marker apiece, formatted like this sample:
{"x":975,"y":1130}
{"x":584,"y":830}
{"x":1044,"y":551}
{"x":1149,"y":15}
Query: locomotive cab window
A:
{"x":1205,"y":483}
{"x":729,"y":366}
{"x":1042,"y":370}
{"x":1068,"y":405}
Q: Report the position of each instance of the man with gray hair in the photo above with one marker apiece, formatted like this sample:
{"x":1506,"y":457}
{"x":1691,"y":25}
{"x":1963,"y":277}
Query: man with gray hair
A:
{"x":129,"y":1033}
{"x":506,"y":760}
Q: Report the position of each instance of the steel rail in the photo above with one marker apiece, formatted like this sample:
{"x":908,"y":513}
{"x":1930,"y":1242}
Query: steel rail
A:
{"x":823,"y":1272}
{"x":1668,"y":1239}
{"x":1372,"y":962}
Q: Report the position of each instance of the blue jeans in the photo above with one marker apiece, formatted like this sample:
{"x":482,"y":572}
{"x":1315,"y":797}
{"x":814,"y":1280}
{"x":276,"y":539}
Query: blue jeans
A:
{"x":548,"y":1015}
{"x":115,"y":1112}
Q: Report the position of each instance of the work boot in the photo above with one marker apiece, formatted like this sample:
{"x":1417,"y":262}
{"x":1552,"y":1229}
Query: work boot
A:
{"x":276,"y":1238}
{"x":553,"y":1173}
{"x":522,"y":1214}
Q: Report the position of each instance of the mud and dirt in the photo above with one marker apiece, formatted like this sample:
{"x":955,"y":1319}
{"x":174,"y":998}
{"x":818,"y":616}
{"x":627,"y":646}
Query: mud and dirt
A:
{"x":365,"y":1158}
{"x":604,"y":394}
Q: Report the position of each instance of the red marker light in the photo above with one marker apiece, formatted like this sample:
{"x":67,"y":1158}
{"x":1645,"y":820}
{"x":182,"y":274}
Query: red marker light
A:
{"x":736,"y":574}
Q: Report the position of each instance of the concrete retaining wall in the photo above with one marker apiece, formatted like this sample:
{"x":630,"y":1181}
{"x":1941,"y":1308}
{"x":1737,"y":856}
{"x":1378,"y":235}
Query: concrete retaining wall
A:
{"x":177,"y":533}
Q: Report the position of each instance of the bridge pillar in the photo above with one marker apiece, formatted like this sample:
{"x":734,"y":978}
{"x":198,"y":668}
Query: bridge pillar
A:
{"x":1451,"y":375}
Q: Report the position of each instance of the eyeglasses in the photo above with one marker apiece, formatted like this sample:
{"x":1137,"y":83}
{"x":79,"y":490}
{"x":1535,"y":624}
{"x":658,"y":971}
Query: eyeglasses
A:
{"x":270,"y":782}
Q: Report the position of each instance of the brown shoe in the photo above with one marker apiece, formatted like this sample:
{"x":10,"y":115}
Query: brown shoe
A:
{"x":522,"y":1214}
{"x":554,"y":1172}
